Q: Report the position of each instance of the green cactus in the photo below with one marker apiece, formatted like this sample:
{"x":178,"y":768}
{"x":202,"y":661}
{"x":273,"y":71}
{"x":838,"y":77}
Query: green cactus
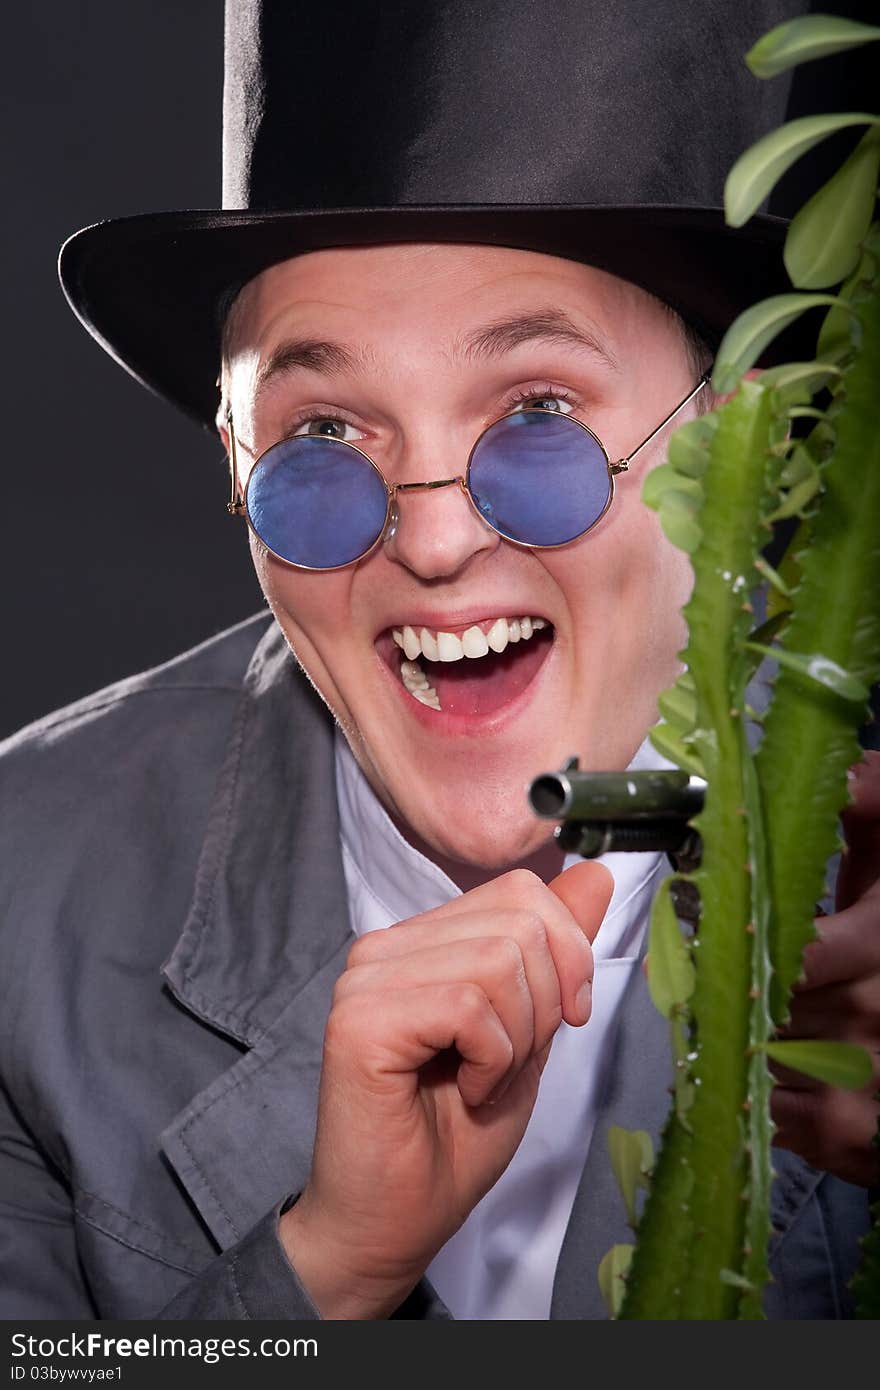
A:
{"x":769,"y":823}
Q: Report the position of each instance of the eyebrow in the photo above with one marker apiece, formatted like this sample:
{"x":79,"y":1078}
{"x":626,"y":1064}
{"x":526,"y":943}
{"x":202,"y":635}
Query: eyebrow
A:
{"x":311,"y":355}
{"x":490,"y":341}
{"x":551,"y":325}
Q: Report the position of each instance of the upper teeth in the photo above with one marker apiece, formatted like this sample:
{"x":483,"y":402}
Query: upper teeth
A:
{"x":474,"y":642}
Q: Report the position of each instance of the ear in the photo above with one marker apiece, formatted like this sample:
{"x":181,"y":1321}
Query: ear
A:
{"x":220,"y":420}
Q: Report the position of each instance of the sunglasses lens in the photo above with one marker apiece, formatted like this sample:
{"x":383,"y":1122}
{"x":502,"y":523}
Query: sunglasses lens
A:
{"x":539,"y":478}
{"x":316,"y":502}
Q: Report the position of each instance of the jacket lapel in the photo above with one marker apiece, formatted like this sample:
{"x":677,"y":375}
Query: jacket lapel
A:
{"x":245,"y":1141}
{"x":635,"y":1096}
{"x":265,"y":939}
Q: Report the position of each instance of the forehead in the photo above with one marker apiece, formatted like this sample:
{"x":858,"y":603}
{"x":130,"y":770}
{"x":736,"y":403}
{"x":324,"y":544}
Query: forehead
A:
{"x":387,"y":295}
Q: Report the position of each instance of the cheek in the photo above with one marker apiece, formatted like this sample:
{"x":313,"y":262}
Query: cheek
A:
{"x":313,"y":610}
{"x":654,"y":588}
{"x":625,"y":591}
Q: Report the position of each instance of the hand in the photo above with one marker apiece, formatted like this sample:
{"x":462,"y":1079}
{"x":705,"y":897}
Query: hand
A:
{"x":434,"y":1047}
{"x":839,"y":999}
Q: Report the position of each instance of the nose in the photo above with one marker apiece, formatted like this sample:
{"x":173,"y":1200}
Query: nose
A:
{"x":434,"y":530}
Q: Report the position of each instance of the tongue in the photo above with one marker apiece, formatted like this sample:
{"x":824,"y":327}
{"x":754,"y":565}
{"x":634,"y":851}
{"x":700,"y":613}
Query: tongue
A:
{"x":486,"y":684}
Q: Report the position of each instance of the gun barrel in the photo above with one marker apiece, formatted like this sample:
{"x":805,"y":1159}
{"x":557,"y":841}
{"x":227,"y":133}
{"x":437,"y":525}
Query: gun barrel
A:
{"x":571,"y":795}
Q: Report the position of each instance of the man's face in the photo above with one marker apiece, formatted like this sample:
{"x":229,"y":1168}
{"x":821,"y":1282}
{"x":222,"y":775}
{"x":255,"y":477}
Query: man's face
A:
{"x":414,"y":397}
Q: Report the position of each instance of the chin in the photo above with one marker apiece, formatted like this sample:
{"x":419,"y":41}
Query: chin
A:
{"x":483,"y":839}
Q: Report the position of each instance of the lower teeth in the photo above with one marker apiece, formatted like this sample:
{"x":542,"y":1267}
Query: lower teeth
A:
{"x":427,"y":697}
{"x":417,"y":684}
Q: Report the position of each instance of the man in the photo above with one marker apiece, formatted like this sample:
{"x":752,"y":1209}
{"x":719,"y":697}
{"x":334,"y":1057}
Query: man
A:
{"x":292,"y":1125}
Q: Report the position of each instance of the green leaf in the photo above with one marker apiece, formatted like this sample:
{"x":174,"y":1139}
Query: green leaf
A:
{"x":671,"y":746}
{"x":632,"y":1157}
{"x":794,"y":383}
{"x":821,"y":440}
{"x":612,"y":1276}
{"x":737,"y":1281}
{"x":803,"y":480}
{"x":678,"y":517}
{"x":823,"y":243}
{"x":798,"y":467}
{"x":796,"y":499}
{"x":777,"y":605}
{"x":818,"y":668}
{"x":757,"y":171}
{"x":765,"y":633}
{"x":678,"y":706}
{"x":841,"y":330}
{"x":663,"y":479}
{"x":671,"y":974}
{"x":772,"y":576}
{"x":835,"y":1063}
{"x":689,"y":446}
{"x":749,"y":334}
{"x":801,"y":40}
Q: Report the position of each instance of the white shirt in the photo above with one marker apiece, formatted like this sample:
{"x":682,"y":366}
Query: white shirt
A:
{"x":501,"y":1263}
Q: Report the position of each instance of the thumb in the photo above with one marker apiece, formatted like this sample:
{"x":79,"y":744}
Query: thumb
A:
{"x":586,"y":890}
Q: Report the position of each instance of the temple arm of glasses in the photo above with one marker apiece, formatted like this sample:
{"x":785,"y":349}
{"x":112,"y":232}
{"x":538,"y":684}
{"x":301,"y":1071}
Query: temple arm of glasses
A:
{"x":235,"y":505}
{"x":623,"y":464}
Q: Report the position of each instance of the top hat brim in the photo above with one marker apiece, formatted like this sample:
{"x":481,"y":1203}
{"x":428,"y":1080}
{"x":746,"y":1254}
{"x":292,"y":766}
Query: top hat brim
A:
{"x":153,"y":289}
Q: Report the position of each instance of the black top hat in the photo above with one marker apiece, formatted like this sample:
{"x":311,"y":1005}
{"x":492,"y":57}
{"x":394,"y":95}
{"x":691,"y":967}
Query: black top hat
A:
{"x":599,"y":130}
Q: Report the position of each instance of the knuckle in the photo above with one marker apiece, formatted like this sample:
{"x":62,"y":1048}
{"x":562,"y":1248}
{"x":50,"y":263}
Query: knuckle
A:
{"x":349,"y":1019}
{"x":531,"y":931}
{"x":523,"y":885}
{"x":503,"y":955}
{"x":355,"y":978}
{"x":862,"y":1000}
{"x":470,"y":1002}
{"x":340,"y":990}
{"x":335,"y":1031}
{"x":363,"y":950}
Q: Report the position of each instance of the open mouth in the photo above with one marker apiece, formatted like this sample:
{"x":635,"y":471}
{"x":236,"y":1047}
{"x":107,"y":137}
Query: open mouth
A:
{"x":474,"y":671}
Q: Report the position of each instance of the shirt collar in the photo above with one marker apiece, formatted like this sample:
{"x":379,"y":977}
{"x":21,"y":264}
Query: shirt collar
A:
{"x":402,"y":880}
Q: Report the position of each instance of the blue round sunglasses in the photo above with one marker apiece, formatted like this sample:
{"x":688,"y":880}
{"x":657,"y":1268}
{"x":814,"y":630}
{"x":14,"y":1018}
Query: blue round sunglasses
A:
{"x":538,"y":478}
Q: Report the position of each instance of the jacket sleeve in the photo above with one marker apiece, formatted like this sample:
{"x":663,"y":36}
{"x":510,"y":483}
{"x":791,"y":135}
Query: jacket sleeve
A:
{"x":40,"y":1274}
{"x":255,"y":1279}
{"x":252,"y":1280}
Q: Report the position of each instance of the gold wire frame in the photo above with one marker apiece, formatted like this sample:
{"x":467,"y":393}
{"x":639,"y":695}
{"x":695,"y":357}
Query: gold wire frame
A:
{"x":237,"y":504}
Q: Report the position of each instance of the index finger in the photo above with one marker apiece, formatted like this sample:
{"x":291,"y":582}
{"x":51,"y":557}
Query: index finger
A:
{"x":560,"y":918}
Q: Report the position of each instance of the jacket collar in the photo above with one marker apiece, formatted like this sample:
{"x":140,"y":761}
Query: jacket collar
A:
{"x":269,"y":907}
{"x":263,"y":943}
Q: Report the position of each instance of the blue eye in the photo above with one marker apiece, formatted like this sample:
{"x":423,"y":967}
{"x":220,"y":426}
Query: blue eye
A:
{"x":326,"y":427}
{"x":546,"y":403}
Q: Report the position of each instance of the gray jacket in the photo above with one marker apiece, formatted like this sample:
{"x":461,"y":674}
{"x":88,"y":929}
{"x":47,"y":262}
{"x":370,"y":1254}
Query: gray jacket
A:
{"x":173,"y":920}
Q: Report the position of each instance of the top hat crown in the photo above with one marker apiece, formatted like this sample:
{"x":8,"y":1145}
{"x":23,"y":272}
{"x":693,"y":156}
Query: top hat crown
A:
{"x":589,"y":129}
{"x":559,"y":102}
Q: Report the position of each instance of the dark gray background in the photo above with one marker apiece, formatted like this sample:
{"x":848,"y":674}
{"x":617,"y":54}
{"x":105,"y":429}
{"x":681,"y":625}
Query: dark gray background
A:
{"x":113,"y":107}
